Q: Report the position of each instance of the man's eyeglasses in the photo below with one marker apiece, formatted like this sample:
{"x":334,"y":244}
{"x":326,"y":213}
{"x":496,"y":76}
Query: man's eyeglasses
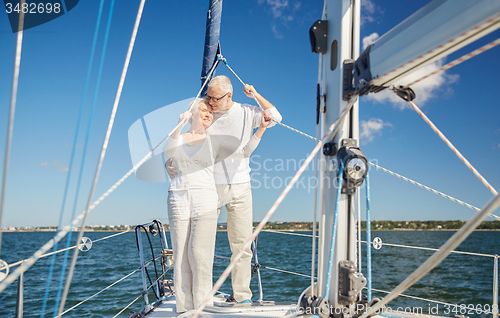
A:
{"x":209,"y":98}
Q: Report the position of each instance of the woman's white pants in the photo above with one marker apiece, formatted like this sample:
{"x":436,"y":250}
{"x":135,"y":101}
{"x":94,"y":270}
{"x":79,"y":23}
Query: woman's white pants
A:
{"x":193,"y":224}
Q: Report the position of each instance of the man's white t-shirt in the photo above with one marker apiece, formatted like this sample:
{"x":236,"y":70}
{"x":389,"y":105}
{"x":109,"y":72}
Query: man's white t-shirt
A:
{"x":238,"y":122}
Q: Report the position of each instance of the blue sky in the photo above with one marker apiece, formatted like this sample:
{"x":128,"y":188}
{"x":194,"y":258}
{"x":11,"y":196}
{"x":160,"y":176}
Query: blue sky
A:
{"x":266,"y":43}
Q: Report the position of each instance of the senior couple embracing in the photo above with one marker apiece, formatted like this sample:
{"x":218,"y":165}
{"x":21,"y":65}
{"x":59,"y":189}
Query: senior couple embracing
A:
{"x":209,"y":167}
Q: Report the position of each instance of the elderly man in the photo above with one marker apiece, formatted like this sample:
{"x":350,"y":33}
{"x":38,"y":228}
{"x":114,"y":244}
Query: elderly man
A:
{"x":232,"y":174}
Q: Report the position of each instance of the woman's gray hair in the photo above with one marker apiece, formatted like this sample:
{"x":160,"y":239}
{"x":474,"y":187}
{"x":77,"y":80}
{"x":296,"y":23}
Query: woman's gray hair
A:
{"x":196,"y":106}
{"x":224,"y":83}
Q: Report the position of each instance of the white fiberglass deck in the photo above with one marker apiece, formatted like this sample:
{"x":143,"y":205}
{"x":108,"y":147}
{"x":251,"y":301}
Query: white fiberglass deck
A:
{"x":223,"y":309}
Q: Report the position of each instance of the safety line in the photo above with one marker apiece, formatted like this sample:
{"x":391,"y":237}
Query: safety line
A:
{"x":439,"y":255}
{"x":289,"y":233}
{"x":284,"y":271}
{"x":125,"y":308}
{"x":106,"y":288}
{"x":429,"y":300}
{"x":418,"y":298}
{"x":69,"y":248}
{"x":435,"y":249}
{"x":267,"y":267}
{"x":453,"y":148}
{"x":150,"y":286}
{"x":430,"y":189}
{"x":460,"y":60}
{"x":26,"y":265}
{"x":333,"y":129}
{"x":13,"y":99}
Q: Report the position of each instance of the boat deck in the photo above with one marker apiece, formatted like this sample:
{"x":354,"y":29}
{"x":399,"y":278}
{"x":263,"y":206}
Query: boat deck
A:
{"x":220,"y":308}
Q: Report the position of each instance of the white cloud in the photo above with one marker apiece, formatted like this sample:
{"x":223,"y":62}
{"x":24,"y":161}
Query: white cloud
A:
{"x":424,"y":90}
{"x":368,"y":11}
{"x":277,"y":33}
{"x":367,"y":40}
{"x":371,"y":129}
{"x":283,"y":11}
{"x":55,"y":165}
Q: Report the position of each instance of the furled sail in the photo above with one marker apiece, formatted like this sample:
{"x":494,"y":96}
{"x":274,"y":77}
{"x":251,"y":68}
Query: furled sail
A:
{"x":212,"y":46}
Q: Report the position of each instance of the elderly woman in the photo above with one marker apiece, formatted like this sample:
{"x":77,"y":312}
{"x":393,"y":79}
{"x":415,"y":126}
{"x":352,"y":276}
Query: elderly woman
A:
{"x":192,"y":202}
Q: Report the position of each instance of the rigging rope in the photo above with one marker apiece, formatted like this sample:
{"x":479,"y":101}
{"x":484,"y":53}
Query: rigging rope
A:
{"x":430,"y":189}
{"x":104,"y":146}
{"x":279,"y":123}
{"x":334,"y":231}
{"x":332,"y":132}
{"x":73,"y":150}
{"x":490,"y":23}
{"x":460,"y":60}
{"x":10,"y":128}
{"x":453,"y":148}
{"x":368,"y":238}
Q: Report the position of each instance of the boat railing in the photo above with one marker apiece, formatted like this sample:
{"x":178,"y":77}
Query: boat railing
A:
{"x":154,"y":228}
{"x":116,"y":282}
{"x":164,"y":257}
{"x":20,"y":279}
{"x":377,"y":244}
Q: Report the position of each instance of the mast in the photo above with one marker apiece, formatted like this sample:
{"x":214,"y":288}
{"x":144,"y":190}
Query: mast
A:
{"x":438,"y":29}
{"x":342,"y":44}
{"x":212,"y":46}
{"x":343,"y":165}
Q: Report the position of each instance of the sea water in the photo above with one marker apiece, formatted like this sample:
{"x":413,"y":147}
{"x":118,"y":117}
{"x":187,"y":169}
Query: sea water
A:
{"x":462,"y":280}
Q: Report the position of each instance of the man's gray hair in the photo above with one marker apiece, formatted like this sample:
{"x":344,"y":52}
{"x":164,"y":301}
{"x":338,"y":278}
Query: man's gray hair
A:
{"x":224,"y":83}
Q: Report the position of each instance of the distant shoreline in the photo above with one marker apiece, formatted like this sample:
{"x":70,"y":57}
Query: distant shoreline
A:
{"x":268,"y":230}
